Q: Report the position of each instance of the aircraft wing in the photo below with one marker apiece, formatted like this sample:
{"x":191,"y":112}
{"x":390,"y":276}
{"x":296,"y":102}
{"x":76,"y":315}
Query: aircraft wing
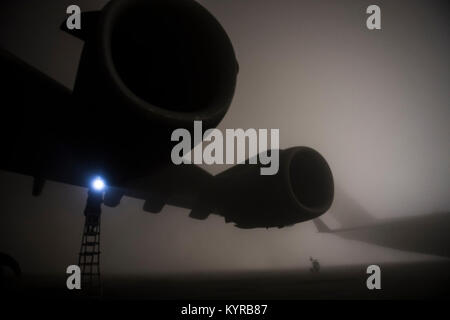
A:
{"x":35,"y":107}
{"x":426,"y":234}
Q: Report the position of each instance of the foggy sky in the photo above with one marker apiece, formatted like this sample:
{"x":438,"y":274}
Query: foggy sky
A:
{"x":374,"y":103}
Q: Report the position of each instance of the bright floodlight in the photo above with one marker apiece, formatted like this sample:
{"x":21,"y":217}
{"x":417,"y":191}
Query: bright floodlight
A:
{"x":98,"y":184}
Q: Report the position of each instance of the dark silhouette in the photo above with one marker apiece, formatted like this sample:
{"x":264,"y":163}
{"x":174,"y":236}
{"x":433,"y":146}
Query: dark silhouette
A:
{"x":147,"y":68}
{"x":424,"y":234}
{"x":315,"y":265}
{"x":301,"y":190}
{"x":89,"y":256}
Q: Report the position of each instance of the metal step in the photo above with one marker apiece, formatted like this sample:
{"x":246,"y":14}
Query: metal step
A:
{"x":89,"y":253}
{"x":90,"y":243}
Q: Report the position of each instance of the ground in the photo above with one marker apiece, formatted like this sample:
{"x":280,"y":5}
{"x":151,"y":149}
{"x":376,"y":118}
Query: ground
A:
{"x":398,"y":281}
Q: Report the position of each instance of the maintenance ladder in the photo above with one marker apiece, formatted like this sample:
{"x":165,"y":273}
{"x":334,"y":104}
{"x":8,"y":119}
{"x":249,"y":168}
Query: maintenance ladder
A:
{"x":89,"y":256}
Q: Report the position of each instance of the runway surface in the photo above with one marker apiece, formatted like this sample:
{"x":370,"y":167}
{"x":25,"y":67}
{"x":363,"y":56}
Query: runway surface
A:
{"x":423,"y":280}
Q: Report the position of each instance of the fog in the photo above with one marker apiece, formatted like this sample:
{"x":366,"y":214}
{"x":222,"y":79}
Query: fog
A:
{"x":375,"y":104}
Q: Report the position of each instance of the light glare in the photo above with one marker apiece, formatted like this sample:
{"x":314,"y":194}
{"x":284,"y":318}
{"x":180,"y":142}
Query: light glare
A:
{"x":98,"y":184}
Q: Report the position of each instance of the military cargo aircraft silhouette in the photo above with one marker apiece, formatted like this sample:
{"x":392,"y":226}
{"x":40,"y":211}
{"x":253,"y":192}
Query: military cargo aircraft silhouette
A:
{"x":147,"y":68}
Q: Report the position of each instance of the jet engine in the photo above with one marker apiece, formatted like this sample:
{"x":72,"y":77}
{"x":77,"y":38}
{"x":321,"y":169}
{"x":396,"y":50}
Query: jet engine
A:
{"x":302,"y":190}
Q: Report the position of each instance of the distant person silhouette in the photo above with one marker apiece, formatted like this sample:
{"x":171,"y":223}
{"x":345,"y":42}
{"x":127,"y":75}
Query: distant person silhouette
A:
{"x":315,"y":265}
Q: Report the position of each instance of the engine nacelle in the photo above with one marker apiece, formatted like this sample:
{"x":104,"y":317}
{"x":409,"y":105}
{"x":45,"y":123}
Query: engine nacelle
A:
{"x":147,"y":68}
{"x":303,"y":189}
